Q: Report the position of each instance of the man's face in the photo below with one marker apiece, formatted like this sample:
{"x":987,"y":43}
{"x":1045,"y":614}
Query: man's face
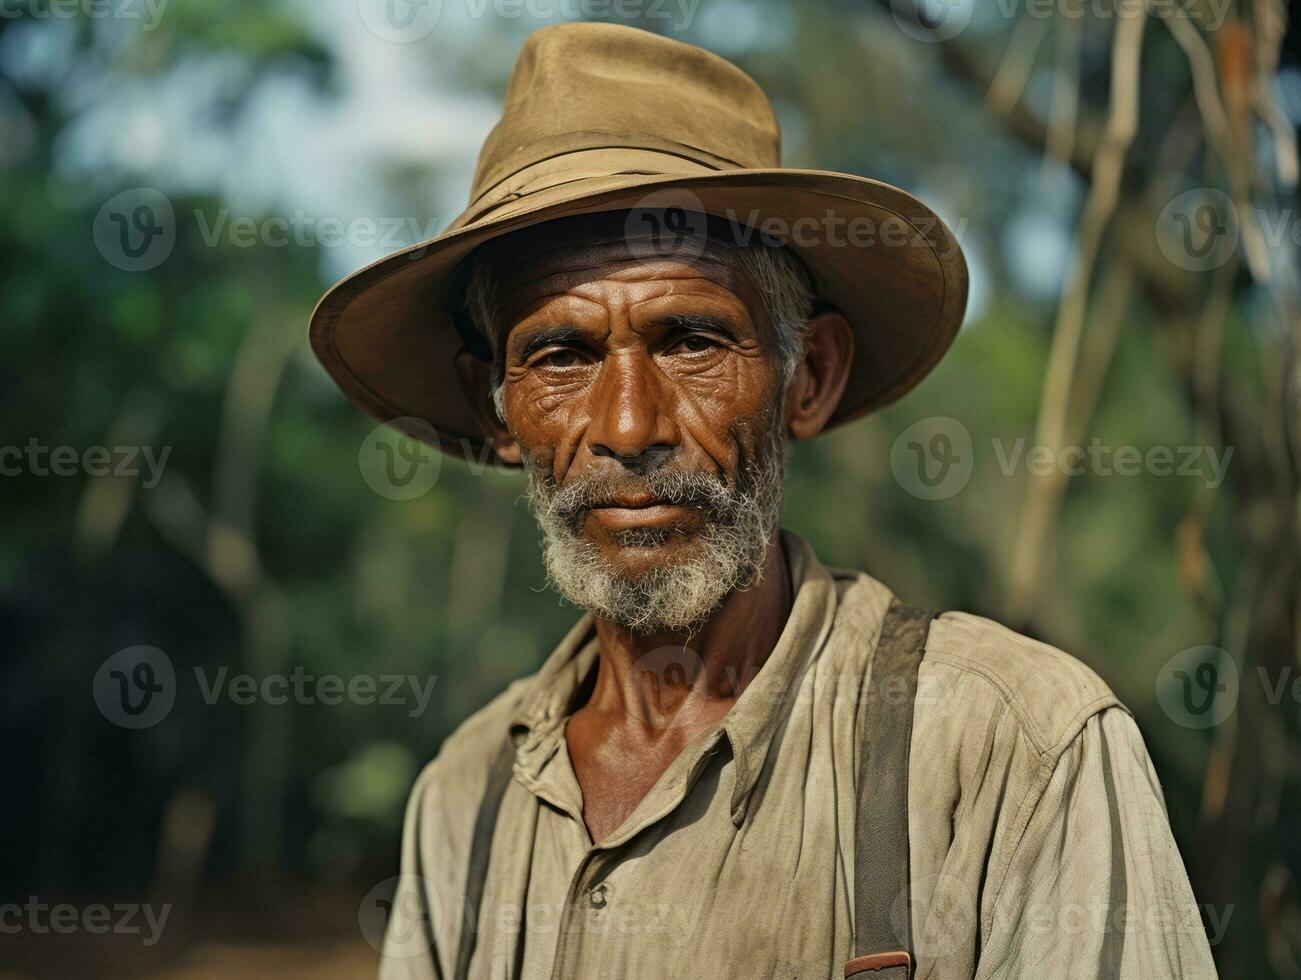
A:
{"x":646,"y":395}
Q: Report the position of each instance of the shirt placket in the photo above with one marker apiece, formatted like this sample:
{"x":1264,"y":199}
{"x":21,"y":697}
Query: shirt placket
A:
{"x":590,"y":894}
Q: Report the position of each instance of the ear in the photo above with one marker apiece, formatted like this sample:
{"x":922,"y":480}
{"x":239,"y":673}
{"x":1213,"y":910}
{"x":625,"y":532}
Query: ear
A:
{"x":821,"y":375}
{"x":476,"y":381}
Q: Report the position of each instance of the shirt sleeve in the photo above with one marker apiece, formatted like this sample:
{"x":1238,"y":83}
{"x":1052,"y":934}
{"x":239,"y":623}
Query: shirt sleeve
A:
{"x":1096,"y":886}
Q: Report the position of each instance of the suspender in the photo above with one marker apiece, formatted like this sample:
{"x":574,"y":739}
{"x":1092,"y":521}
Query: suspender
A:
{"x":882,"y":906}
{"x":882,"y":930}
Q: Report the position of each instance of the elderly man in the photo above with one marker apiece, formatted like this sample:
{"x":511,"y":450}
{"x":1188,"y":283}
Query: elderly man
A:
{"x":739,"y":763}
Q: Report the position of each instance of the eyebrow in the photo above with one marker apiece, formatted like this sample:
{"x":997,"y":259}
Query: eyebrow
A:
{"x":697,"y":321}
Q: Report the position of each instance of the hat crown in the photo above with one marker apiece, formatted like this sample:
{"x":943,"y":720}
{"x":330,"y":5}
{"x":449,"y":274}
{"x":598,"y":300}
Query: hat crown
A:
{"x":587,"y":86}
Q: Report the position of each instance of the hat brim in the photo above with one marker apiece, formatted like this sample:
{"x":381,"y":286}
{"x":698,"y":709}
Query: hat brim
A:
{"x":386,"y":333}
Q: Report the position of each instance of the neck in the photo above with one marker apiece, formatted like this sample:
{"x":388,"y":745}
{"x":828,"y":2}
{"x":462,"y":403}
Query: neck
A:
{"x":661,"y":680}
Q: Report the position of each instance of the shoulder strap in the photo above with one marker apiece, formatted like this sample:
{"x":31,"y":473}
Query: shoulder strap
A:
{"x":882,"y":923}
{"x":480,"y":847}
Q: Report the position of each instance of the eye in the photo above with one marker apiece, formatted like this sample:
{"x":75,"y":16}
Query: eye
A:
{"x":561,"y":357}
{"x":694,"y":343}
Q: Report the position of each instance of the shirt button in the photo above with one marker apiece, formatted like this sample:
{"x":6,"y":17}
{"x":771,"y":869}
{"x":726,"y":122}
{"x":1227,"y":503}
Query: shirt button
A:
{"x":599,"y":896}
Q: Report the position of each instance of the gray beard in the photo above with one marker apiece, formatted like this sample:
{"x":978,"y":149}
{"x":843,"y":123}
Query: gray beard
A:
{"x":672,"y":597}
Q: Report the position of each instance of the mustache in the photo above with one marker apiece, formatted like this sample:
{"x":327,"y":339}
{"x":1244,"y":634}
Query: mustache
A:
{"x":570,"y":502}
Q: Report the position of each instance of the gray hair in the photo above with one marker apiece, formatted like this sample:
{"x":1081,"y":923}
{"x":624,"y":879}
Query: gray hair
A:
{"x":782,"y":280}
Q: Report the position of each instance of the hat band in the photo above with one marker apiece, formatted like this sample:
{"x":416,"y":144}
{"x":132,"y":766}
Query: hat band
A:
{"x":607,"y":162}
{"x":563,"y":144}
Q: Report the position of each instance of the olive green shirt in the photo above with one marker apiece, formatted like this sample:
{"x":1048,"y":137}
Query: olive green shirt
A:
{"x":1039,"y":842}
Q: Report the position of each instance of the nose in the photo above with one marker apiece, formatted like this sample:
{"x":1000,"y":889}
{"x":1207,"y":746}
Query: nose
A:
{"x":629,"y":421}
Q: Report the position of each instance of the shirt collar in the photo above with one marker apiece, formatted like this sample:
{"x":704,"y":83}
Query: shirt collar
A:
{"x":754,"y":719}
{"x":550,"y":695}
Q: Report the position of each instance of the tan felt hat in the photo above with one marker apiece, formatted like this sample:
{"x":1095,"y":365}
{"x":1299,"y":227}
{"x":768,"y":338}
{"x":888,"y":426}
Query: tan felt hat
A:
{"x":602,"y":118}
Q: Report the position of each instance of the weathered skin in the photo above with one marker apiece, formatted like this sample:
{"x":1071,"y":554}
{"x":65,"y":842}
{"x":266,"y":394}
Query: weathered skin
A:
{"x":599,"y":377}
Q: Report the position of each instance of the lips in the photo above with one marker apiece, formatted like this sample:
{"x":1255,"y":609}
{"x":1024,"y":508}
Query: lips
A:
{"x":643,"y":510}
{"x":633,"y":501}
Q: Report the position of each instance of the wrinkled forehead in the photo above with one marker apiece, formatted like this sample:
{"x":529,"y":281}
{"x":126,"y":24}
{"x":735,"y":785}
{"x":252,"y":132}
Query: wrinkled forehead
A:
{"x":558,"y":256}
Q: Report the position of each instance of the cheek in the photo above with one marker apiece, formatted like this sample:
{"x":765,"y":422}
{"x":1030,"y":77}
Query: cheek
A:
{"x":729,"y":412}
{"x":541,"y":415}
{"x":736,"y":392}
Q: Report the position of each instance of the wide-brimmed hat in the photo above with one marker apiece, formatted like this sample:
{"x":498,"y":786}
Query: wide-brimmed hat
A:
{"x":603,"y":118}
